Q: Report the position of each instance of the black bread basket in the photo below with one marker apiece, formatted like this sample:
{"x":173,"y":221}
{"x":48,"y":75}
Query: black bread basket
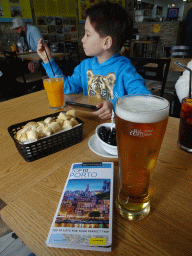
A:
{"x":48,"y":145}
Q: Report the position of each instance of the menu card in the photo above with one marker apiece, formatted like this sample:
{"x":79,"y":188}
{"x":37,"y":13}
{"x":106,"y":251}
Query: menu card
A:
{"x":83,"y":219}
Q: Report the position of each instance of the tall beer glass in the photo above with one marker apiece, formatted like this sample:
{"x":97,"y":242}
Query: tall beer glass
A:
{"x":141,"y":122}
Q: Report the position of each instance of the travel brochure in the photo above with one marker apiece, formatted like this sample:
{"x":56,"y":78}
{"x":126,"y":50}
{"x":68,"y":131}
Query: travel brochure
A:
{"x":83,"y":219}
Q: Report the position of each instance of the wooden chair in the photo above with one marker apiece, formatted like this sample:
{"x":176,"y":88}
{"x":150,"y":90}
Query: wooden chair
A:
{"x":151,"y":49}
{"x":13,"y":69}
{"x":68,"y":66}
{"x":31,"y":81}
{"x":180,"y":51}
{"x":156,"y":71}
{"x":153,"y":69}
{"x":71,"y":47}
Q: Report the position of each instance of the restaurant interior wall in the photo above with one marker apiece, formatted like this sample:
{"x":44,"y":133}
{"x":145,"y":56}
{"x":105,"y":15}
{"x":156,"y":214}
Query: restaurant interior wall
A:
{"x":8,"y":35}
{"x":171,"y":32}
{"x":154,"y":10}
{"x":42,"y":10}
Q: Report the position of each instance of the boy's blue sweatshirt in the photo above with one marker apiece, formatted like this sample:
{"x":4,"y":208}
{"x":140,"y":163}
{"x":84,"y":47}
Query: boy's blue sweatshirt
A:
{"x":110,"y":80}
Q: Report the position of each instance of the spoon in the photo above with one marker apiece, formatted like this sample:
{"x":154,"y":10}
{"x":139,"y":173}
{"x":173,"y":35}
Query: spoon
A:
{"x":112,"y":117}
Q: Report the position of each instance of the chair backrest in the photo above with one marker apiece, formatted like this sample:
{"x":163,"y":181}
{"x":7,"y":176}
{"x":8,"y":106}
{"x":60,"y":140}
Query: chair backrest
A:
{"x":153,"y":38}
{"x":13,"y":63}
{"x":10,"y":56}
{"x":153,"y":69}
{"x":71,"y":47}
{"x":180,"y":51}
{"x":151,"y":48}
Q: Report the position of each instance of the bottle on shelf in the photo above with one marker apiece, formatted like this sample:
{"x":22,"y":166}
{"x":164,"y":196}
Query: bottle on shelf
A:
{"x":8,"y":46}
{"x":20,"y":45}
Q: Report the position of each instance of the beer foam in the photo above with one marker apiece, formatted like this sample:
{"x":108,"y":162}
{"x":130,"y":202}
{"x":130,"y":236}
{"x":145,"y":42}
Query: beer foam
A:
{"x":142,"y":108}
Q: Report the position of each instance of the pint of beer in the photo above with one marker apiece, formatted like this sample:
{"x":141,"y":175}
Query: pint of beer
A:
{"x":141,"y":122}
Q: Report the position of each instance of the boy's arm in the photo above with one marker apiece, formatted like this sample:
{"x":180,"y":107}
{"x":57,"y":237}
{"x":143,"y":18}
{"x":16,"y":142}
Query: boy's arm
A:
{"x":48,"y":68}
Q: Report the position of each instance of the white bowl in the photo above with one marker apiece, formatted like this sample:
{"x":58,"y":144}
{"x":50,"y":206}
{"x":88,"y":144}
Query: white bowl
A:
{"x":108,"y":148}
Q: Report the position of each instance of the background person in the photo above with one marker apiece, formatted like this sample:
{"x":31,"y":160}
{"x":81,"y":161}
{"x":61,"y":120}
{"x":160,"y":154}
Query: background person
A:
{"x":107,"y":75}
{"x":182,"y":84}
{"x":30,"y":36}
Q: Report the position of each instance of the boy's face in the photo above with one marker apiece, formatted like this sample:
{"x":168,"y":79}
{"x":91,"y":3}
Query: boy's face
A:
{"x":92,"y":42}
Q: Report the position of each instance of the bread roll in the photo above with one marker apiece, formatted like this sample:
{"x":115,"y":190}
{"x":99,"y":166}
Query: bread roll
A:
{"x":23,"y":138}
{"x":41,"y":124}
{"x":71,"y":113}
{"x":31,"y":124}
{"x":47,"y":131}
{"x":54,"y":126}
{"x":63,"y":116}
{"x":39,"y":128}
{"x":18,"y":134}
{"x":67,"y":125}
{"x":48,"y":120}
{"x":60,"y":122}
{"x":33,"y":131}
{"x":73,"y":121}
{"x":32,"y":135}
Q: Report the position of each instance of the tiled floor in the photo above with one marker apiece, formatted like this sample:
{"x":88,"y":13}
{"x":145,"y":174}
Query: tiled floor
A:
{"x":10,"y":246}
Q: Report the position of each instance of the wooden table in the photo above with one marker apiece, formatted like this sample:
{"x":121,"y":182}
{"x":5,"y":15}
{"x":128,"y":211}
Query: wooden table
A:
{"x":142,"y":42}
{"x":17,"y":175}
{"x":35,"y":56}
{"x":175,"y":67}
{"x":35,"y":189}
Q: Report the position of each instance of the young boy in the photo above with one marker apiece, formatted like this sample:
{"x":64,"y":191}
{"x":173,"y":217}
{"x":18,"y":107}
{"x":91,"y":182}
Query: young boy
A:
{"x":107,"y":75}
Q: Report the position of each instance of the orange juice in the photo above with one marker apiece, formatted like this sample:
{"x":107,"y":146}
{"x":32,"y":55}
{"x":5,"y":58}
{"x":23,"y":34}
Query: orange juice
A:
{"x":54,"y":88}
{"x":13,"y":48}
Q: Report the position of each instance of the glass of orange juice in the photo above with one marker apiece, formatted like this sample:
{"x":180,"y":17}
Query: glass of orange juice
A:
{"x":13,"y":48}
{"x":55,"y":90}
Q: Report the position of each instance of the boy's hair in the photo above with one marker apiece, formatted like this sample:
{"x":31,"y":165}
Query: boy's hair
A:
{"x":111,"y":19}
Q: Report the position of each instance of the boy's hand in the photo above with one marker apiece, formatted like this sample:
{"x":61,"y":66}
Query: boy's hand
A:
{"x":41,"y":52}
{"x":105,"y":110}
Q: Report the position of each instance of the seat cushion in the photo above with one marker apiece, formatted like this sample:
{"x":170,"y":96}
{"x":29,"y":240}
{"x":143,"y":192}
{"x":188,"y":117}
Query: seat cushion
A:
{"x":156,"y":86}
{"x":31,"y":77}
{"x":168,"y":96}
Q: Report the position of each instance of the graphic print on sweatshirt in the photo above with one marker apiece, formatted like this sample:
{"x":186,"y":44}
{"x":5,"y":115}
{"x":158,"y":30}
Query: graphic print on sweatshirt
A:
{"x":101,"y":86}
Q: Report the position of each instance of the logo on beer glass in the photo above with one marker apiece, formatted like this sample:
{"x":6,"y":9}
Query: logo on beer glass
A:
{"x":139,"y":133}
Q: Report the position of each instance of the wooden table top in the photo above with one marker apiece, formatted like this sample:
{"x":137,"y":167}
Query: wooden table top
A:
{"x":166,"y":231}
{"x":35,"y":56}
{"x":173,"y":66}
{"x":143,"y":41}
{"x":17,"y":175}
